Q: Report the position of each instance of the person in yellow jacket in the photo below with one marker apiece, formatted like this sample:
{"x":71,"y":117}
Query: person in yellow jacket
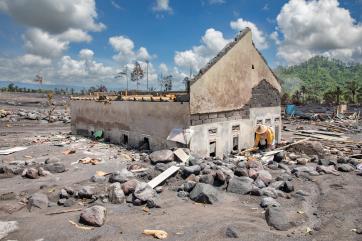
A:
{"x":264,"y":137}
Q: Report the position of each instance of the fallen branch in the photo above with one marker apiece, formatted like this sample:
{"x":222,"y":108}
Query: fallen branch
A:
{"x":64,"y":211}
{"x":292,"y":144}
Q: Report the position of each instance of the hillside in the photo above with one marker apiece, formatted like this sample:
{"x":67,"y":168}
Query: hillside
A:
{"x":322,"y":79}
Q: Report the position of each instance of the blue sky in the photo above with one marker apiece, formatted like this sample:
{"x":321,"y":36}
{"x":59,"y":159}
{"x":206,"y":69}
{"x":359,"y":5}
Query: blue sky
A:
{"x":86,"y":42}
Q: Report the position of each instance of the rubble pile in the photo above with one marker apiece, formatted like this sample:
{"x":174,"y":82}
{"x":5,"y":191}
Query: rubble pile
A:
{"x":270,"y":175}
{"x":40,"y":115}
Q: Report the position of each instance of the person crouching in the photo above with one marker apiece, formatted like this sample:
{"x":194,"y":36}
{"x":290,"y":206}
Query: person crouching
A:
{"x":264,"y":138}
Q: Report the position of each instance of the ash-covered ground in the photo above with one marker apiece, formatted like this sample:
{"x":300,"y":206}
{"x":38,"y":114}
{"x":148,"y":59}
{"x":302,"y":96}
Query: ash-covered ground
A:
{"x":310,"y":191}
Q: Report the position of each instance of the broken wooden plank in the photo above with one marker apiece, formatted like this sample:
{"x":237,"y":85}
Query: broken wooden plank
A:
{"x":323,"y":137}
{"x":181,"y":154}
{"x":292,"y":144}
{"x":12,"y":150}
{"x":328,"y":133}
{"x":163,"y":176}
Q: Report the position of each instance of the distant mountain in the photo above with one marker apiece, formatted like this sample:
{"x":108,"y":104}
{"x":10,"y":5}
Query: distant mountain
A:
{"x":320,"y":76}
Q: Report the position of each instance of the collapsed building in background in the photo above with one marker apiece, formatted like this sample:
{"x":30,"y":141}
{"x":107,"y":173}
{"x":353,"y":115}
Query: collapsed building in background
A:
{"x":216,"y":115}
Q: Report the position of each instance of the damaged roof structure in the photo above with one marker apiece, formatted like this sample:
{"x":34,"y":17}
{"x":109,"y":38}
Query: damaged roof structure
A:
{"x":217,"y":114}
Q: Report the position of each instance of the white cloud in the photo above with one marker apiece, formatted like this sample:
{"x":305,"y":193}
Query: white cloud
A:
{"x":54,"y":16}
{"x":162,"y":6}
{"x":86,"y":54}
{"x":33,"y":60}
{"x":275,"y":37}
{"x":126,"y":53}
{"x":211,"y":43}
{"x":53,"y":25}
{"x":318,"y":27}
{"x":75,"y":35}
{"x":163,"y":68}
{"x":258,"y":35}
{"x":43,"y":44}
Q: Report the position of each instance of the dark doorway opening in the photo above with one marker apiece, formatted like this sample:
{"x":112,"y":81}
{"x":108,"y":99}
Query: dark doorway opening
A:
{"x":125,"y":139}
{"x":212,"y":148}
{"x":236,"y":143}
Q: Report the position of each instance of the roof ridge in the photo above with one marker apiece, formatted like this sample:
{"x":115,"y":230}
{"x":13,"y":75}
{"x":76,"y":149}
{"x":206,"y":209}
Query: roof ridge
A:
{"x":222,"y":52}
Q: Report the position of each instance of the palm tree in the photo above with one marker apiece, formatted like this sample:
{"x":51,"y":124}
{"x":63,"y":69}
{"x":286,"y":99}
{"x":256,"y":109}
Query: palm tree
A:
{"x":352,"y":88}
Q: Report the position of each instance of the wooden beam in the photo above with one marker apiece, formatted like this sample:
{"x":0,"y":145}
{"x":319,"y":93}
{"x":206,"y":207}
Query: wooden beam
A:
{"x":163,"y":176}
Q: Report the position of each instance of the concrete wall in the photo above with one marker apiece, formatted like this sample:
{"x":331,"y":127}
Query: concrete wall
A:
{"x":136,"y":119}
{"x":200,"y":141}
{"x":228,"y":84}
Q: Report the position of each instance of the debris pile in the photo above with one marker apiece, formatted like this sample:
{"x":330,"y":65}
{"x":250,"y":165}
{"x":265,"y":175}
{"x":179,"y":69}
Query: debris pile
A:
{"x":40,"y":115}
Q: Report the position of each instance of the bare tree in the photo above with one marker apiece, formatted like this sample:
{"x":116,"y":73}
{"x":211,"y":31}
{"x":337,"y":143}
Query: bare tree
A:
{"x":166,"y":83}
{"x":137,"y":73}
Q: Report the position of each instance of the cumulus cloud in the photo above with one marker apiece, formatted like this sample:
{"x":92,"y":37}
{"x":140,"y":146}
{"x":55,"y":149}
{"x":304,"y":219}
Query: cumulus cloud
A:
{"x":86,"y":54}
{"x":53,"y":25}
{"x":259,"y":37}
{"x":318,"y":27}
{"x":33,"y":60}
{"x":162,"y":6}
{"x":54,"y":16}
{"x":163,"y":68}
{"x":75,"y":35}
{"x":83,"y":71}
{"x":43,"y":44}
{"x":125,"y":48}
{"x":197,"y":57}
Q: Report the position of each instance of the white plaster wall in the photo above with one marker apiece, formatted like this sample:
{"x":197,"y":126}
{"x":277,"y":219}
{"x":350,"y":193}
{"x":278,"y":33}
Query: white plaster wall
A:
{"x":199,"y":143}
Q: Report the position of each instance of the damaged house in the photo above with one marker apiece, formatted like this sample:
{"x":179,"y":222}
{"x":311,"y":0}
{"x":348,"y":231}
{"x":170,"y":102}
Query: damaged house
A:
{"x":217,"y":114}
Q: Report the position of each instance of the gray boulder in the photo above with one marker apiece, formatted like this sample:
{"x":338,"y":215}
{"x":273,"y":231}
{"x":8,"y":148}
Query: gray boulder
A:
{"x":144,"y":192}
{"x":93,"y":216}
{"x":86,"y":192}
{"x":277,"y":218}
{"x":188,"y":186}
{"x":205,"y":193}
{"x":345,"y":168}
{"x":269,"y":192}
{"x":129,"y":186}
{"x":307,"y":169}
{"x":265,"y":176}
{"x":269,"y":202}
{"x":232,"y":232}
{"x":195,"y":169}
{"x":121,"y":176}
{"x":115,"y":193}
{"x":240,"y":185}
{"x":208,"y":179}
{"x":55,"y":167}
{"x":98,"y":179}
{"x":38,"y":200}
{"x":31,"y":173}
{"x":161,"y":156}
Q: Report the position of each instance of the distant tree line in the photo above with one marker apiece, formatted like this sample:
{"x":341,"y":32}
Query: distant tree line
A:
{"x":60,"y":91}
{"x":321,"y":80}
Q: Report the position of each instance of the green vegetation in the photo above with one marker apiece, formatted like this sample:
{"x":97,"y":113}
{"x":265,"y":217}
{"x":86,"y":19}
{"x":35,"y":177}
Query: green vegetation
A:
{"x":322,"y":80}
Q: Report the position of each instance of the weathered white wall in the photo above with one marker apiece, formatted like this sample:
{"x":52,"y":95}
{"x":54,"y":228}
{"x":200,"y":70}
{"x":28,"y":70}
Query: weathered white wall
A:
{"x":224,"y":137}
{"x":137,"y":119}
{"x":228,"y":84}
{"x":264,"y":114}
